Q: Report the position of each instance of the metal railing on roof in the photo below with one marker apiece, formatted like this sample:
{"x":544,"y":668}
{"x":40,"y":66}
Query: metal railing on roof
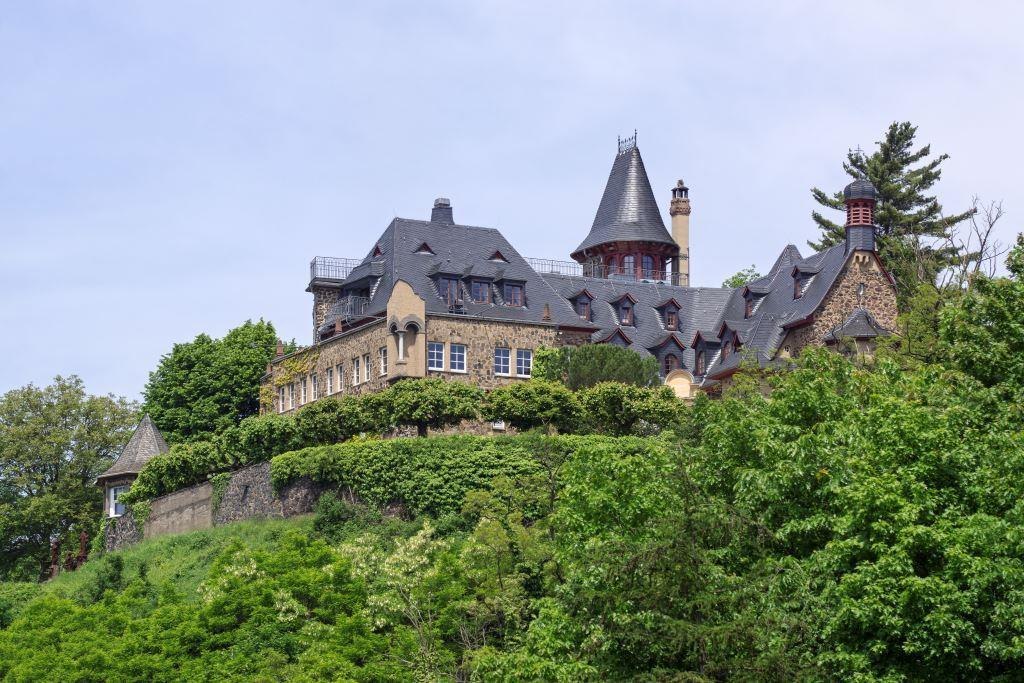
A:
{"x":573,"y":269}
{"x":351,"y":307}
{"x":331,"y":268}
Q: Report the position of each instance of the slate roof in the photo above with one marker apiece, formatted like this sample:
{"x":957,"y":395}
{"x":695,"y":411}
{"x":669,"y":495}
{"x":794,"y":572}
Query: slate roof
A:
{"x":700,"y":308}
{"x":775,"y":309}
{"x":860,"y":325}
{"x":628,"y":210}
{"x":460,"y":250}
{"x":146,"y":442}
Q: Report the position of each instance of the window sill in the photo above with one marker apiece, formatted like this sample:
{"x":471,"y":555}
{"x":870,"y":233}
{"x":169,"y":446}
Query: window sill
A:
{"x":502,"y":374}
{"x":524,"y":376}
{"x":459,"y":372}
{"x":435,"y":369}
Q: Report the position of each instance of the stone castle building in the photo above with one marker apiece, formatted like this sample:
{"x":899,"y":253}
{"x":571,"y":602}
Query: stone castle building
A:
{"x":434,"y":298}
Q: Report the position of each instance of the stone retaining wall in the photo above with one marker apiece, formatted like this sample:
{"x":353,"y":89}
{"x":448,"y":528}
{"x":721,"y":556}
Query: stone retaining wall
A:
{"x":249,"y":494}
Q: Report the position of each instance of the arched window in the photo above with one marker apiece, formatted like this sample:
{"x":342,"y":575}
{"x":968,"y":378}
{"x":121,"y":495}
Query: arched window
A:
{"x":629,"y":265}
{"x":671,"y":363}
{"x":647,"y":262}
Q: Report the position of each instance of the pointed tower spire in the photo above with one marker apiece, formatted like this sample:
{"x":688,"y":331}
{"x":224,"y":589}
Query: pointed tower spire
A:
{"x":628,"y":237}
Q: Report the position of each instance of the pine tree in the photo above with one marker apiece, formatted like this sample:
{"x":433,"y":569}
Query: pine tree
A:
{"x":911,"y":225}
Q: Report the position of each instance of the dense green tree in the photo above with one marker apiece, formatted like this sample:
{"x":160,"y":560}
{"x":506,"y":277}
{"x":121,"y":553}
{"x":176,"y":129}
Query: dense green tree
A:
{"x":984,"y":331}
{"x":585,"y":366}
{"x":621,"y":409}
{"x":533,"y":404}
{"x":911,"y":225}
{"x":426,"y":404}
{"x":204,"y":386}
{"x":742,"y":277}
{"x":54,"y":441}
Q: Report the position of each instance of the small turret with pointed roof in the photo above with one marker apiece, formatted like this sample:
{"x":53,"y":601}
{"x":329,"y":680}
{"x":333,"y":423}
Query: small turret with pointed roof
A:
{"x":146,"y":442}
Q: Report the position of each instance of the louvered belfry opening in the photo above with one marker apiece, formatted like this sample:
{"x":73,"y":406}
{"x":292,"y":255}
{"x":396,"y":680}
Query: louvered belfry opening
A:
{"x":860,"y":212}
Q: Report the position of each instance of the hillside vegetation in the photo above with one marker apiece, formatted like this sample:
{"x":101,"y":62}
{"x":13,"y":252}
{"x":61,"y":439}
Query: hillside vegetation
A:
{"x":855,"y":523}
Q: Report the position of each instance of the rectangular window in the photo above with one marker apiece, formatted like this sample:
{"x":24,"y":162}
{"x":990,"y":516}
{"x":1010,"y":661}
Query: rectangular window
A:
{"x":457,"y":357}
{"x":501,"y":361}
{"x":341,"y":377}
{"x":583,"y":308}
{"x":281,"y":405}
{"x":435,"y":356}
{"x":449,"y":288}
{"x":480,"y":291}
{"x":330,"y":381}
{"x":524,"y":362}
{"x":670,"y":320}
{"x":314,"y":380}
{"x":382,"y":353}
{"x":355,"y":371}
{"x":366,"y":367}
{"x":291,"y":395}
{"x":513,"y":295}
{"x":302,"y":392}
{"x":116,"y":506}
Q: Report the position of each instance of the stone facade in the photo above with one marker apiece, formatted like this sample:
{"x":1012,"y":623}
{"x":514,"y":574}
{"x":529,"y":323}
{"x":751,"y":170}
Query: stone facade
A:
{"x":122,"y":532}
{"x":185,"y":510}
{"x":878,"y":297}
{"x":337,"y":354}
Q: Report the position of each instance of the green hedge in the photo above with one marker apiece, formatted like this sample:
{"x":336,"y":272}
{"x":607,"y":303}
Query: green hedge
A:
{"x":431,"y":476}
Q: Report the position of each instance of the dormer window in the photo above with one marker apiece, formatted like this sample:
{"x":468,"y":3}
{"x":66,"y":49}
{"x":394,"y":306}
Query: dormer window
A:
{"x":671,"y":319}
{"x":480,"y":291}
{"x":798,"y":284}
{"x":698,"y":366}
{"x":671,"y":363}
{"x":748,"y":309}
{"x":377,"y":251}
{"x":424,"y":249}
{"x":513,"y":294}
{"x":497,"y":256}
{"x":583,"y":307}
{"x":448,"y":287}
{"x":626,"y":312}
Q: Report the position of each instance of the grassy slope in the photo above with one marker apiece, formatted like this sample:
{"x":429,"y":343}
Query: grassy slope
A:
{"x":179,"y":562}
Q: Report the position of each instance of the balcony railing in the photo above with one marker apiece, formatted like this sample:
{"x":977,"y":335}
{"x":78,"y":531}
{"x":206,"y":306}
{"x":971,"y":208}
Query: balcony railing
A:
{"x":331,"y":268}
{"x":352,"y":307}
{"x":573,"y":269}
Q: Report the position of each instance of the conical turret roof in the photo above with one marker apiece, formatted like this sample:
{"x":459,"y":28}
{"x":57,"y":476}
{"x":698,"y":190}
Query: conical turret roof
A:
{"x":146,"y":442}
{"x":628,"y":210}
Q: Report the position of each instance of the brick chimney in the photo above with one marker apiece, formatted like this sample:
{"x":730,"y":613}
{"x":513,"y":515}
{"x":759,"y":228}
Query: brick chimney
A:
{"x":442,"y":211}
{"x":860,"y":197}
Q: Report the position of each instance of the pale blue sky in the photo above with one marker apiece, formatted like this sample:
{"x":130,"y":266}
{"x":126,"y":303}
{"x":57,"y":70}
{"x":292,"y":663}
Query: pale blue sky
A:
{"x":169,"y":168}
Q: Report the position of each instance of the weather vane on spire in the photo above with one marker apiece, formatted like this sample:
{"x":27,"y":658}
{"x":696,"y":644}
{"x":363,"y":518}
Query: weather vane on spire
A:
{"x":626,"y":144}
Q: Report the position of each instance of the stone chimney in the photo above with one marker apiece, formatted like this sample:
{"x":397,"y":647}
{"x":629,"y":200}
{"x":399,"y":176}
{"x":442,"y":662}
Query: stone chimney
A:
{"x":279,"y":351}
{"x":860,"y":197}
{"x":679,"y":209}
{"x":442,"y":211}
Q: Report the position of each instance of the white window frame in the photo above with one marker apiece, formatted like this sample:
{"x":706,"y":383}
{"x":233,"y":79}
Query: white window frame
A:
{"x":302,"y":392}
{"x":455,"y":365}
{"x":330,"y":381}
{"x":291,"y":396}
{"x":281,"y":406}
{"x":340,"y":372}
{"x":366,"y":367}
{"x":437,"y":347}
{"x":522,"y":354}
{"x":507,"y":364}
{"x":113,"y":494}
{"x":382,"y":355}
{"x":314,"y":382}
{"x":355,"y":371}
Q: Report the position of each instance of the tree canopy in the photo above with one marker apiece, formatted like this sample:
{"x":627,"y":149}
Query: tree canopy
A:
{"x":742,"y":277}
{"x":584,"y":366}
{"x":206,"y":385}
{"x":54,"y":441}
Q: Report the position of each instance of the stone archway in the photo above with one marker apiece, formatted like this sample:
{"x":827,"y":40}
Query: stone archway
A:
{"x":682,"y":384}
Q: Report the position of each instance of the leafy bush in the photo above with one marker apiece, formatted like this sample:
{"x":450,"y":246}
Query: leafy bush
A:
{"x":426,"y":403}
{"x":619,"y":409}
{"x":183,"y":465}
{"x":537,"y":403}
{"x":584,"y":366}
{"x":426,"y":476}
{"x":259,"y":438}
{"x":331,"y":420}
